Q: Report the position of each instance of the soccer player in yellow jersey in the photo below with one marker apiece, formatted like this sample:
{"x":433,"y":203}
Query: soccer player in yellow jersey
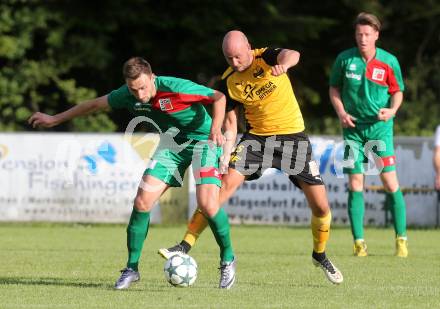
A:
{"x":257,"y":79}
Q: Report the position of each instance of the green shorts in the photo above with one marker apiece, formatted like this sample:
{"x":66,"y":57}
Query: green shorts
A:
{"x":170,"y":161}
{"x":369,"y":140}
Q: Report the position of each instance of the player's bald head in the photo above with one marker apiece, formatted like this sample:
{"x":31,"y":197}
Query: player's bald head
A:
{"x":235,"y":40}
{"x":237,"y":50}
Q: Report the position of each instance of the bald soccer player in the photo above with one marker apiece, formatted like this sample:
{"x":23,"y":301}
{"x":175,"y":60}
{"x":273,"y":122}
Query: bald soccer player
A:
{"x":257,"y":79}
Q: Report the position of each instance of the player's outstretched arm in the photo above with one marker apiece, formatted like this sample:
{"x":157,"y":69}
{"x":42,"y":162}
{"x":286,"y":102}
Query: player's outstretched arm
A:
{"x":347,"y":120}
{"x":47,"y":121}
{"x":218,"y":115}
{"x":286,"y":59}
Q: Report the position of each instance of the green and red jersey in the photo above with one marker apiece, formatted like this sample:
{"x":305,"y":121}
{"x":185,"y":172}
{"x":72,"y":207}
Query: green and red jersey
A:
{"x":366,"y":87}
{"x":175,"y":105}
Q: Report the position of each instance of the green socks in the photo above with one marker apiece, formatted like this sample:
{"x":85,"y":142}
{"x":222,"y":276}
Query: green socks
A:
{"x":396,"y":204}
{"x":356,"y":211}
{"x":136,"y":233}
{"x":394,"y":201}
{"x":220,"y":227}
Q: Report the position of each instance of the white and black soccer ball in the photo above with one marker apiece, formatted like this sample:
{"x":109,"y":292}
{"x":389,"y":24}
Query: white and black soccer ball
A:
{"x":180,"y":270}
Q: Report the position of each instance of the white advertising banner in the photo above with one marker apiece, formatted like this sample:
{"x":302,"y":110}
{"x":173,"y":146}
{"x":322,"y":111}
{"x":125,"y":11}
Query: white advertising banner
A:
{"x":94,"y":178}
{"x":70,"y":177}
{"x":273,"y":199}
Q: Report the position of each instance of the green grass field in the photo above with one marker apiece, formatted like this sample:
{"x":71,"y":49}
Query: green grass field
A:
{"x":75,"y":266}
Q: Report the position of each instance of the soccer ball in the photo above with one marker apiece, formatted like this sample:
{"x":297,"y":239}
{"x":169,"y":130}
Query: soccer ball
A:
{"x":180,"y":270}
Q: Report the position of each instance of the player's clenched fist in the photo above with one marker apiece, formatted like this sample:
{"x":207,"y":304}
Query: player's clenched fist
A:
{"x":278,"y":69}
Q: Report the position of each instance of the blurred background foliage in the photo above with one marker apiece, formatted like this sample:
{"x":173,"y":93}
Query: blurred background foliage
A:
{"x":54,"y":54}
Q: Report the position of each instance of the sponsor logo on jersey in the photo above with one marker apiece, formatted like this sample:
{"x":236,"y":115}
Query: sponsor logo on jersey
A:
{"x":378,"y":74}
{"x":258,"y":72}
{"x":251,"y":93}
{"x":353,"y":76}
{"x":352,"y":67}
{"x":165,"y":104}
{"x":265,"y":90}
{"x":247,"y":90}
{"x":139,"y":106}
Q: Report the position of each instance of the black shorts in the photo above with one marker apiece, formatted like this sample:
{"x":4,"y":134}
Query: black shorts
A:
{"x":290,"y":153}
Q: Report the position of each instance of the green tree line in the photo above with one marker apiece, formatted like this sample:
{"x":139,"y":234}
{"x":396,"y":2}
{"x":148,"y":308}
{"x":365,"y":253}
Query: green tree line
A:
{"x":54,"y":54}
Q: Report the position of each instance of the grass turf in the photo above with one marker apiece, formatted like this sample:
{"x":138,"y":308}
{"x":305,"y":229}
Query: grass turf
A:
{"x":75,"y":266}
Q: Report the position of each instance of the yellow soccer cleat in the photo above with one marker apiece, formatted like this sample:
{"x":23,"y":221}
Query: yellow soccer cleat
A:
{"x":401,"y":247}
{"x":360,"y":248}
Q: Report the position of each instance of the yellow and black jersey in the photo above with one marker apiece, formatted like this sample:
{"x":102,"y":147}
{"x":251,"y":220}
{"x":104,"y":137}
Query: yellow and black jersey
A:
{"x":269,"y":102}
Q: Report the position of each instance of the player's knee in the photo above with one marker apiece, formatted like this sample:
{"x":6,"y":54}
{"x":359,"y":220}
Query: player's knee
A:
{"x":320,"y":209}
{"x":391,"y":187}
{"x":356,"y":184}
{"x":142,"y":204}
{"x":209,"y":209}
{"x":208,"y":201}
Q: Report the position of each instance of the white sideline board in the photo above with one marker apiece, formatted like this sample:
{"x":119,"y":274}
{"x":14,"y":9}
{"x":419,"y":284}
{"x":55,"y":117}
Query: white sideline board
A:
{"x":69,"y":177}
{"x":273,"y":199}
{"x":74,"y":177}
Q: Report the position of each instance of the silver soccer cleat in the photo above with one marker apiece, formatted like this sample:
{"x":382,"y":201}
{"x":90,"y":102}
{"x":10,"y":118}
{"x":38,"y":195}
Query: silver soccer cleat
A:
{"x":227,"y":274}
{"x":127,"y":277}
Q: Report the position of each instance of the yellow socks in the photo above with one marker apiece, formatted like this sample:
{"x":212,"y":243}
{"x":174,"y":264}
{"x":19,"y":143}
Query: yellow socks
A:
{"x":196,"y":226}
{"x":321,"y":232}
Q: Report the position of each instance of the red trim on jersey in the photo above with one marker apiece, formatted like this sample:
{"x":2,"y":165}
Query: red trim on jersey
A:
{"x":381,"y":73}
{"x":171,"y":102}
{"x":206,"y":172}
{"x":389,"y":161}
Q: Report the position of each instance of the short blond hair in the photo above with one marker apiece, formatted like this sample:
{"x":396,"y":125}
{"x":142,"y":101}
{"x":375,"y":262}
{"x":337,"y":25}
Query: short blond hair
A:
{"x":368,"y":19}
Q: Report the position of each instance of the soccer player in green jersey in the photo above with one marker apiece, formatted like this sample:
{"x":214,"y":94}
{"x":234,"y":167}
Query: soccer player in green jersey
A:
{"x":175,"y":106}
{"x":366,"y":91}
